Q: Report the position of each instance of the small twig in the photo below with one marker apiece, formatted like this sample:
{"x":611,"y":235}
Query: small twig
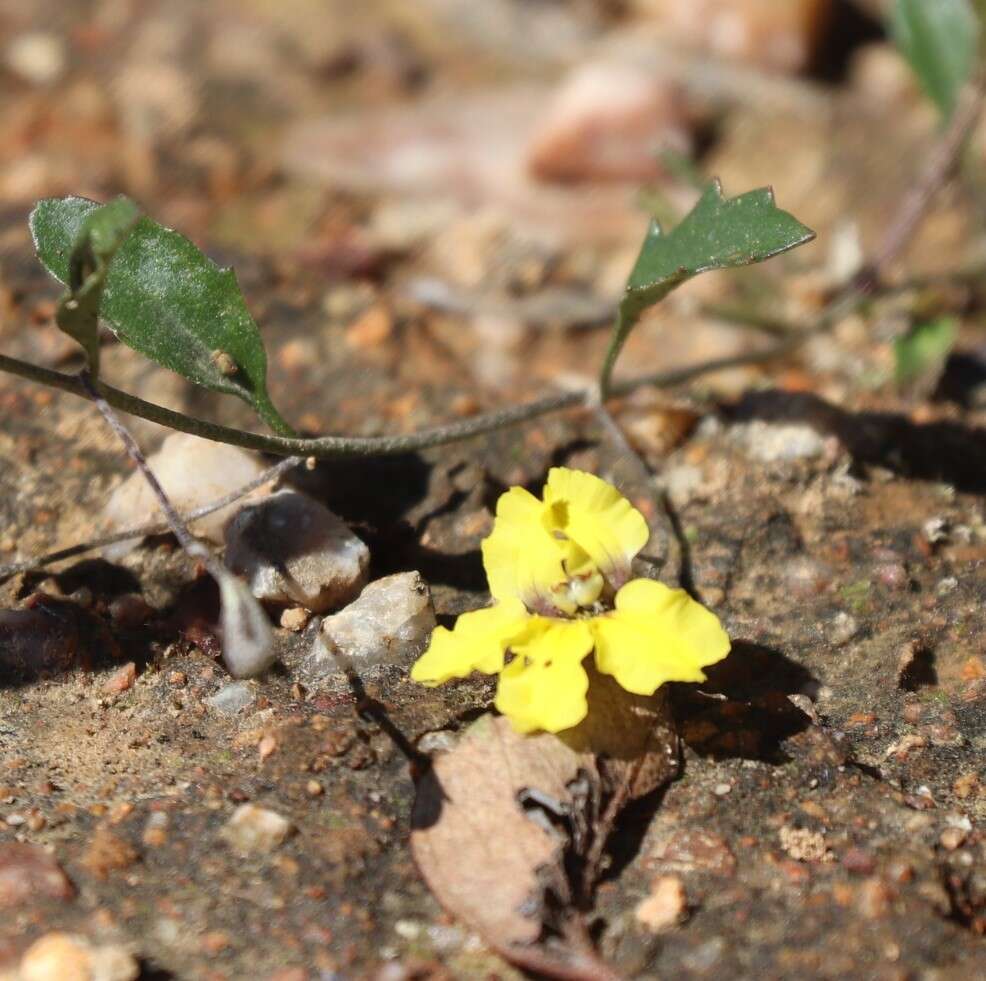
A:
{"x":685,"y":574}
{"x":748,"y":318}
{"x":191,"y":545}
{"x":937,"y":170}
{"x":592,"y":865}
{"x":154,"y":527}
{"x":247,"y":638}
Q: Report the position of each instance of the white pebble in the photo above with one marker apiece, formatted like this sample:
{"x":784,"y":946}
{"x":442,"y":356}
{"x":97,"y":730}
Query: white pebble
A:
{"x":193,"y":472}
{"x":255,"y":830}
{"x":389,"y":623}
{"x":38,"y":58}
{"x":770,"y":443}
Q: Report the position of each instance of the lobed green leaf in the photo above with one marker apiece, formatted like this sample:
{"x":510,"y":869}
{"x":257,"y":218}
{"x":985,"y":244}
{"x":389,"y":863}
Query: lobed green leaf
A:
{"x":162,"y":297}
{"x":717,"y":233}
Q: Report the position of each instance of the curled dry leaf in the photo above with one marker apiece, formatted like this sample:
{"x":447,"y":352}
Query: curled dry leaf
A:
{"x":484,"y":859}
{"x":499,"y":819}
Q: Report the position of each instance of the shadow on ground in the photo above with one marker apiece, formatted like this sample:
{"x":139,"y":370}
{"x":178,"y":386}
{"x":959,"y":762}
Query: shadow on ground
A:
{"x":744,"y":711}
{"x":945,"y":452}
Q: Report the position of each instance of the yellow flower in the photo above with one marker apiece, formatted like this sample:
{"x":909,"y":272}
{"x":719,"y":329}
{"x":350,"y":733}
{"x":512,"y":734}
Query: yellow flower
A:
{"x":559,"y":574}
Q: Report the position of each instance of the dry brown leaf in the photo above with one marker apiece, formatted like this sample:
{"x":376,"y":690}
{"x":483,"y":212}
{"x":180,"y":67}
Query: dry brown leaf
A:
{"x":485,"y":860}
{"x":496,"y":817}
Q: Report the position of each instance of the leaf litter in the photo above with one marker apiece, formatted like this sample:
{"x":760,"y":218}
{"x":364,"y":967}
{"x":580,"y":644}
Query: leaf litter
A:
{"x":509,"y":830}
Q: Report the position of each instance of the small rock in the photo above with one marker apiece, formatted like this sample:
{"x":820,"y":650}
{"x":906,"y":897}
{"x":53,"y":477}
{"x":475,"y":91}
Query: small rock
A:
{"x":121,"y":680}
{"x":67,"y":957}
{"x":390,"y":622}
{"x":803,"y":844}
{"x":935,"y":530}
{"x":858,"y":861}
{"x":38,"y":57}
{"x":438,"y":741}
{"x":952,"y":838}
{"x":804,"y":704}
{"x":607,"y":121}
{"x":880,"y":73}
{"x":107,"y":852}
{"x":684,"y":483}
{"x":297,"y":354}
{"x":35,"y":642}
{"x":295,"y":618}
{"x":767,"y":443}
{"x":874,"y":898}
{"x":804,"y":576}
{"x":255,"y":830}
{"x":232,"y":697}
{"x":292,"y":549}
{"x":29,"y":873}
{"x":156,"y":830}
{"x":843,"y":628}
{"x":696,"y":850}
{"x":893,"y":575}
{"x":266,"y":747}
{"x":371,"y":329}
{"x":666,"y":905}
{"x":777,"y":35}
{"x":967,"y":785}
{"x":130,"y":610}
{"x":214,"y":941}
{"x":461,"y":148}
{"x":193,"y":472}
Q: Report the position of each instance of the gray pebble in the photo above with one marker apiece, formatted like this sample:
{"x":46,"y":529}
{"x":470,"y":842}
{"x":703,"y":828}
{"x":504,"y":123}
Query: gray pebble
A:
{"x":293,"y":550}
{"x":232,"y":698}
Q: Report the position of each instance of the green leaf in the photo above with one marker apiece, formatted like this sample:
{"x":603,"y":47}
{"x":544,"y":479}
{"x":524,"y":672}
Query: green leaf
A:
{"x":716,"y":234}
{"x":940,"y":38}
{"x":100,"y":235}
{"x":165,"y":299}
{"x":921,"y":353}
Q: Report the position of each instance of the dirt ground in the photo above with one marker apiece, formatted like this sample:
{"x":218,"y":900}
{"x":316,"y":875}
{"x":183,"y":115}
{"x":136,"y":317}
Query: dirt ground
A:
{"x":828,"y":820}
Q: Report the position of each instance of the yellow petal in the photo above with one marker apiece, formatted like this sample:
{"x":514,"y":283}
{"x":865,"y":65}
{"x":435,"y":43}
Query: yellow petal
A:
{"x":598,"y":518}
{"x":477,"y":643}
{"x":545,"y":685}
{"x":657,"y":634}
{"x":521,"y":557}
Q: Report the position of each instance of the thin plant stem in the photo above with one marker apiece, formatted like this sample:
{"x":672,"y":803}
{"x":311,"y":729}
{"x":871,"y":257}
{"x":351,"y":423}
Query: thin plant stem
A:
{"x":322,"y":447}
{"x":154,"y":527}
{"x":938,"y":169}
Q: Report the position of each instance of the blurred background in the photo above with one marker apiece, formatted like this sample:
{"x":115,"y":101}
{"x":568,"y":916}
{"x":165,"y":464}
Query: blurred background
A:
{"x":434,"y":205}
